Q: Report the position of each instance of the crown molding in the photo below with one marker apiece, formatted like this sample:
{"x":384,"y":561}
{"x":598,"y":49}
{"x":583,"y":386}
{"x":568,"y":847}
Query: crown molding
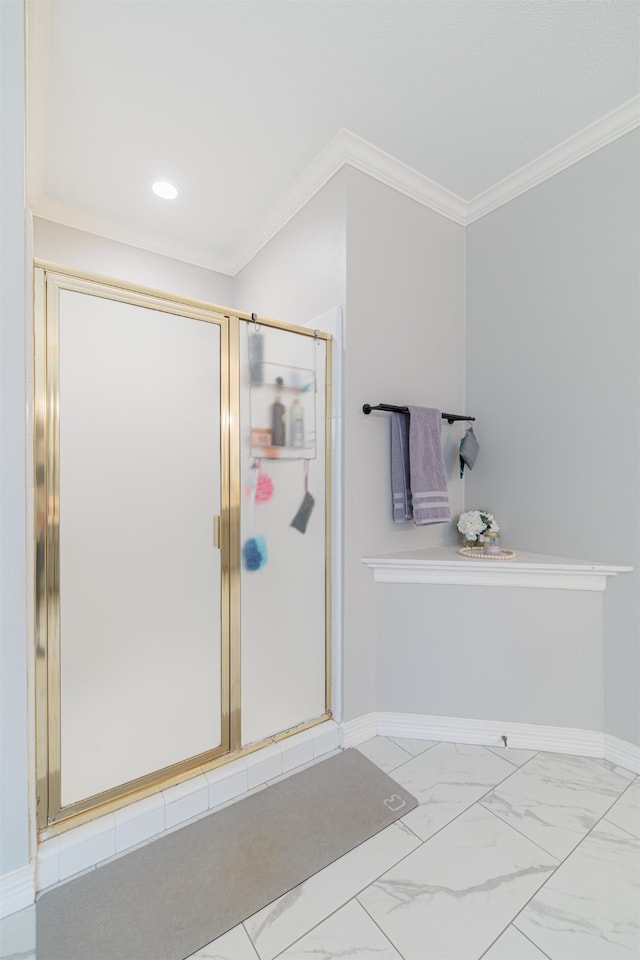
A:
{"x":369,"y":159}
{"x":348,"y":149}
{"x":320,"y":170}
{"x":604,"y":131}
{"x":70,"y":216}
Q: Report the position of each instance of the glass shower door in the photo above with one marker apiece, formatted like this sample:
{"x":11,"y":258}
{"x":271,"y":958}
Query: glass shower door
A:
{"x":136,"y":619}
{"x":284,"y":563}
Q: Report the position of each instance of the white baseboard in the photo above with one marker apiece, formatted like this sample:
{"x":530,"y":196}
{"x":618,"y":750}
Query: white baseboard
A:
{"x":357,"y":731}
{"x":489,"y":733}
{"x":622,"y":753}
{"x":17,"y":890}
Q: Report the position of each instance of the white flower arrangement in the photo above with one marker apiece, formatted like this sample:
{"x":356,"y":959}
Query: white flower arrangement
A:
{"x":473,"y":523}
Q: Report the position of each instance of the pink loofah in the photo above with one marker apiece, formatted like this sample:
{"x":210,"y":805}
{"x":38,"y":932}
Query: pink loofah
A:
{"x":264,"y":488}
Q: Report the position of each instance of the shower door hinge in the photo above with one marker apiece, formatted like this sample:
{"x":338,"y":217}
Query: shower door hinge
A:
{"x":216,"y":532}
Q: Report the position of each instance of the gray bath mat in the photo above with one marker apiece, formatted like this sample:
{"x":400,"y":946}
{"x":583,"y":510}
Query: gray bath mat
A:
{"x":168,"y":899}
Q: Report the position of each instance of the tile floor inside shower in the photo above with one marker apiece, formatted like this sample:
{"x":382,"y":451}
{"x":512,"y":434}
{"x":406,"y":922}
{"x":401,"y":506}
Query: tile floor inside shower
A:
{"x":511,"y":855}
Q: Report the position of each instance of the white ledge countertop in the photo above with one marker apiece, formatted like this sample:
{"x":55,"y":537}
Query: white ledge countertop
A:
{"x":446,"y":565}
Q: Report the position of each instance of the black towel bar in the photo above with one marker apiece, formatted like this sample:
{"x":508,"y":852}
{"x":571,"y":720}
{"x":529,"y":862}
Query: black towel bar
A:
{"x":391,"y":408}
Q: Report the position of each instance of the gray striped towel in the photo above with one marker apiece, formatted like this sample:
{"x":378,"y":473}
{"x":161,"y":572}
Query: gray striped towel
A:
{"x":428,"y":480}
{"x":400,"y":478}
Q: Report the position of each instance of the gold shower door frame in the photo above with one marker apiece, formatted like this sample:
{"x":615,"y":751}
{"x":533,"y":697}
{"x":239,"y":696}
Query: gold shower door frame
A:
{"x":49,"y":280}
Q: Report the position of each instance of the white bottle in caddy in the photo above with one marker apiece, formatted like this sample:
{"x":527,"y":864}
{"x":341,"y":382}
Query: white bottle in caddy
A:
{"x":296,"y":424}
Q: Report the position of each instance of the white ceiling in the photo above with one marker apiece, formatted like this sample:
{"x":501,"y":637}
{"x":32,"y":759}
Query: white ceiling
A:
{"x":234,"y":100}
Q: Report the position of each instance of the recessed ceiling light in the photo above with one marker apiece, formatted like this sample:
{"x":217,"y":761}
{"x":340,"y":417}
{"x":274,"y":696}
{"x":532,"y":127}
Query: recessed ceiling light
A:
{"x":164,"y":189}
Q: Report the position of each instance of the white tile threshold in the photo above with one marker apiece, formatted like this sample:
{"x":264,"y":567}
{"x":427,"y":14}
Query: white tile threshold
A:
{"x":85,"y":847}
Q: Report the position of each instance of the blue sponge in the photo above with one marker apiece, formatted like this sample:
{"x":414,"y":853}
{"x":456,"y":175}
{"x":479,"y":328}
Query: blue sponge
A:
{"x":254,"y":553}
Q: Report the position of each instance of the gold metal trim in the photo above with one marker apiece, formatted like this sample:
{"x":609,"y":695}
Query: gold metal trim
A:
{"x":52,"y":570}
{"x":223,"y":530}
{"x":235,"y":649}
{"x":47,"y":288}
{"x":328,"y":520}
{"x":112,"y":286}
{"x":40,"y":544}
{"x":49,"y":280}
{"x":78,"y":818}
{"x":157,"y":780}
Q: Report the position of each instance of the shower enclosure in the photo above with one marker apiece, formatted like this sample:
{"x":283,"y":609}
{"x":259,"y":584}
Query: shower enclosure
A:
{"x":182,"y":538}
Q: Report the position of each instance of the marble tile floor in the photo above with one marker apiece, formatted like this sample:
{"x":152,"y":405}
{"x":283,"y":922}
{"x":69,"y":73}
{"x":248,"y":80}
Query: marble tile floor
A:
{"x":511,"y":855}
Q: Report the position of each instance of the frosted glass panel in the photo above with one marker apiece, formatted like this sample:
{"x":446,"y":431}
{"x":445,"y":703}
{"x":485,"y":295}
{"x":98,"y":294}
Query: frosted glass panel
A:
{"x":139,"y":576}
{"x":283,"y":568}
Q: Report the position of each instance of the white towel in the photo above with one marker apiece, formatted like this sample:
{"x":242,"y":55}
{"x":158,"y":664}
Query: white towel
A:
{"x":429,"y":493}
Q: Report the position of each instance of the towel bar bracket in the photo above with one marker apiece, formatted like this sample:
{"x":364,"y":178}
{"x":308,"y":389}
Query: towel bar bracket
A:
{"x":391,"y":408}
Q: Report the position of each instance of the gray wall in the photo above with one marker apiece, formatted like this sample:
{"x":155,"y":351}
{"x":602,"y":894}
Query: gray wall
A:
{"x":301,"y":273}
{"x":14,"y":723}
{"x":404,"y":344}
{"x":85,"y":251}
{"x":491,"y":653}
{"x":553,"y":376}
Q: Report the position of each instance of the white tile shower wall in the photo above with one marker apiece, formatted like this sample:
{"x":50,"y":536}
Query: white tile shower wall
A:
{"x":139,"y":822}
{"x":299,"y":754}
{"x":48,"y":864}
{"x":264,"y":765}
{"x":186,"y":800}
{"x":60,"y":858}
{"x":326,"y":739}
{"x":87,"y":845}
{"x":226,"y":783}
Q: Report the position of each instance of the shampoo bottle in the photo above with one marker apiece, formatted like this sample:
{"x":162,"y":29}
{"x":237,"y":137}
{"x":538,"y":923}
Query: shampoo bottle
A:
{"x":296,"y":420}
{"x":278,"y":423}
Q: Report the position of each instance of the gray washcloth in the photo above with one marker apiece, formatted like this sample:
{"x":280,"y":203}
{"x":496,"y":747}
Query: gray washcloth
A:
{"x":469,"y":448}
{"x":400,"y":477}
{"x":428,"y":478}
